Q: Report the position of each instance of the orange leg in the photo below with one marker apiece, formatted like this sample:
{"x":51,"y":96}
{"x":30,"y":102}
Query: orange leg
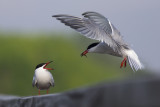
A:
{"x":124,"y":61}
{"x":125,"y":64}
{"x":39,"y":92}
{"x":47,"y":91}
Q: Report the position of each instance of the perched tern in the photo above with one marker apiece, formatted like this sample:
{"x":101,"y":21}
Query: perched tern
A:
{"x":95,"y":26}
{"x":42,"y":78}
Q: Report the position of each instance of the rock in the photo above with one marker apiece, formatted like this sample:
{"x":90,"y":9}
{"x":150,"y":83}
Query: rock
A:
{"x":141,"y":92}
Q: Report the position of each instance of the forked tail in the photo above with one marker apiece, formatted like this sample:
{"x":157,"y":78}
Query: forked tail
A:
{"x":133,"y":60}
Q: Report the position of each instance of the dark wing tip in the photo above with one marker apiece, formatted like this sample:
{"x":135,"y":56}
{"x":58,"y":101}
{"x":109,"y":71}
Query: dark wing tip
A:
{"x":52,"y":84}
{"x":57,"y":15}
{"x":33,"y":84}
{"x":54,"y":15}
{"x":88,"y":12}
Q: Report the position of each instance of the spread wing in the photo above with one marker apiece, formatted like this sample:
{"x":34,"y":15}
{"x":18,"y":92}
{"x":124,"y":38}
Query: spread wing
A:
{"x":94,"y":26}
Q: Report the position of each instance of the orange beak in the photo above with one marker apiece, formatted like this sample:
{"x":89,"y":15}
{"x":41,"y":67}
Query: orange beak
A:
{"x":47,"y":64}
{"x":84,"y":53}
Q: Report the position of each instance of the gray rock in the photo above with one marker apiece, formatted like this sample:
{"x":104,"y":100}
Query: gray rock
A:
{"x":139,"y":92}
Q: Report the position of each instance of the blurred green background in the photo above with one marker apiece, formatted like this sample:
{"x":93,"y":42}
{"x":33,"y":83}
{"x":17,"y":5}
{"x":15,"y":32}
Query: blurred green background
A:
{"x":21,"y":52}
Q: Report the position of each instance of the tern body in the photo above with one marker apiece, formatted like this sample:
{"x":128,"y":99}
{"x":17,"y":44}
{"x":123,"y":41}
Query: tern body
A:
{"x":42,"y":78}
{"x":95,"y":26}
{"x":102,"y":48}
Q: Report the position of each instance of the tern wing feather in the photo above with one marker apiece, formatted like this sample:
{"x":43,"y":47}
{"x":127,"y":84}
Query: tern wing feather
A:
{"x":34,"y":82}
{"x":52,"y":80}
{"x":94,"y":26}
{"x":133,"y":60}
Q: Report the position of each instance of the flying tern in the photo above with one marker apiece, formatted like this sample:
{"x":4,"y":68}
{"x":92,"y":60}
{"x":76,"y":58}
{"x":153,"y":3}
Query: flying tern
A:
{"x":95,"y":26}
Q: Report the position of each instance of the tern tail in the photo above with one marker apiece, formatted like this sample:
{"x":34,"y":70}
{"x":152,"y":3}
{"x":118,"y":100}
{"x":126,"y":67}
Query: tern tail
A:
{"x":133,"y":60}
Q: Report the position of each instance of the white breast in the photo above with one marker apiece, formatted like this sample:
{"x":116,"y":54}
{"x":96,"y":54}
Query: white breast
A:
{"x":103,"y":48}
{"x":43,"y":76}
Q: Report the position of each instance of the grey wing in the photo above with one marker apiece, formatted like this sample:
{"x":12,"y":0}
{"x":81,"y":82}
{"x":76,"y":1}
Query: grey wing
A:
{"x":34,"y":81}
{"x":52,"y":80}
{"x":94,"y":26}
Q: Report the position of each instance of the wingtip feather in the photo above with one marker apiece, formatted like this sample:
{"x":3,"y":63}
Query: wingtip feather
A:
{"x":134,"y":61}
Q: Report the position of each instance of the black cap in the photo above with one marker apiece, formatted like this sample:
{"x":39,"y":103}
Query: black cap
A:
{"x":92,"y":45}
{"x":40,"y":65}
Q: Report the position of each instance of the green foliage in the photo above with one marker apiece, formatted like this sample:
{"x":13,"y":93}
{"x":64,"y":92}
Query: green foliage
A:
{"x":20,"y":53}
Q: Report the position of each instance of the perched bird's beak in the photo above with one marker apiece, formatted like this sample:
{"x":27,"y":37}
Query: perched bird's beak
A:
{"x":84,"y":53}
{"x":46,"y":65}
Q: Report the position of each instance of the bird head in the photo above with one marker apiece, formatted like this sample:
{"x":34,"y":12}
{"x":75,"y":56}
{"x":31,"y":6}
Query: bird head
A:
{"x":90,"y":48}
{"x":43,"y":65}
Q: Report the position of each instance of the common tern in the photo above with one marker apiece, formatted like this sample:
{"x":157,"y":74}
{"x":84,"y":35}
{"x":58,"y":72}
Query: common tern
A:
{"x":95,"y":26}
{"x":42,"y":78}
